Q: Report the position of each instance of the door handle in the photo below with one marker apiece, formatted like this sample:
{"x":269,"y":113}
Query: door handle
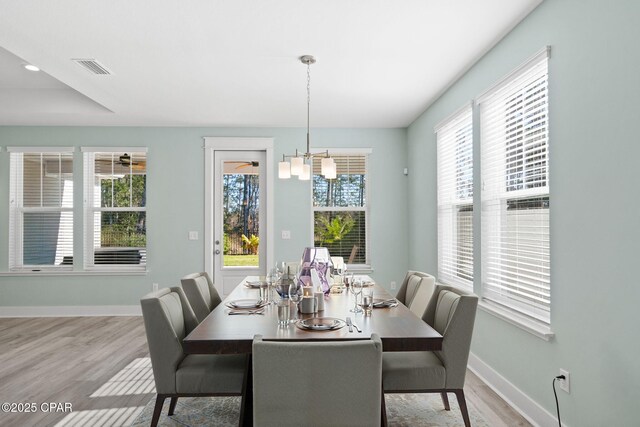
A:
{"x":217,"y":252}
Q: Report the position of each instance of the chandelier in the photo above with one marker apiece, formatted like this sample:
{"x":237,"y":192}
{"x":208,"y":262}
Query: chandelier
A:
{"x":300,"y":163}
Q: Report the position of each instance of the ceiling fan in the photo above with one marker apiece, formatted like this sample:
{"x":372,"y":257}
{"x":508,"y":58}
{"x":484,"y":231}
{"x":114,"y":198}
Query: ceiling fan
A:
{"x":242,"y":165}
{"x":126,"y":162}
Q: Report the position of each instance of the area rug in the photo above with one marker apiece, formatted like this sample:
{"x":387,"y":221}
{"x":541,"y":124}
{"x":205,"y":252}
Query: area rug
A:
{"x":410,"y":410}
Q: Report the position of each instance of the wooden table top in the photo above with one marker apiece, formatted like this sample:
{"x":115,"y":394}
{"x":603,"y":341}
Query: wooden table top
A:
{"x":398,"y":327}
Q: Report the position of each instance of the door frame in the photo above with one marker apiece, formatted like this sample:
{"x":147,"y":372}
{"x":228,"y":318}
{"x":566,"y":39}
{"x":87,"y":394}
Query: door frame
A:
{"x":215,"y":143}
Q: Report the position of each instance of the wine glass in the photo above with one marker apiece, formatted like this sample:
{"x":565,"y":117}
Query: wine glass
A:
{"x":356,"y":290}
{"x":279,"y":268}
{"x":295,"y":295}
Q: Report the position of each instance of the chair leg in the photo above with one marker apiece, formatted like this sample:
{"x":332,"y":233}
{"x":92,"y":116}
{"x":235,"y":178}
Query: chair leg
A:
{"x":463,"y":407}
{"x":445,"y":401}
{"x":157,"y":410}
{"x":383,"y":411}
{"x":172,"y":405}
{"x":246,"y":403}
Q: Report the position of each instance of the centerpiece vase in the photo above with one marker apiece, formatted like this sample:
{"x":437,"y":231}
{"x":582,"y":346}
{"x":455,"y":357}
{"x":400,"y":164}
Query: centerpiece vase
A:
{"x":316,"y":259}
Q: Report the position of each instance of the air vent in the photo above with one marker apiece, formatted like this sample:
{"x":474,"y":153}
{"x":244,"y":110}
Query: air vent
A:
{"x":93,"y":66}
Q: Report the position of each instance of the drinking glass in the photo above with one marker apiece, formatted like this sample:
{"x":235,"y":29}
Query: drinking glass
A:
{"x":264,"y":292}
{"x":284,"y":309}
{"x":348,"y":278}
{"x":367,"y":300}
{"x":356,"y":290}
{"x":295,"y":295}
{"x":338,"y":280}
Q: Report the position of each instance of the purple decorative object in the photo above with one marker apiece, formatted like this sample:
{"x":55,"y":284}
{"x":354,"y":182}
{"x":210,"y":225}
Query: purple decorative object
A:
{"x":319,"y":260}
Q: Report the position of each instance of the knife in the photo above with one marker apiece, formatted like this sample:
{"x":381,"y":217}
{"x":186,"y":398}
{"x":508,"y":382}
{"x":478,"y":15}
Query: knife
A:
{"x":349,"y":324}
{"x":240,"y":312}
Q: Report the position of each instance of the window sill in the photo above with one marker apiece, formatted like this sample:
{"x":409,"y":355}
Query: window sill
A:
{"x":359,"y":268}
{"x":73,"y":273}
{"x":522,"y":322}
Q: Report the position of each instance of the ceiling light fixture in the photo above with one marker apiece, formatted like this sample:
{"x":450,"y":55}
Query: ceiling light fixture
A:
{"x":301,"y":163}
{"x":31,"y":67}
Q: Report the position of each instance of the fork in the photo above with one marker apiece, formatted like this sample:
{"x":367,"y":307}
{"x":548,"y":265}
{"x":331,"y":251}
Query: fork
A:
{"x":349,"y":324}
{"x":357,"y":328}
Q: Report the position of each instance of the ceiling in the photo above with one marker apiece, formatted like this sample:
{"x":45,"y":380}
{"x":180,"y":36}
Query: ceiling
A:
{"x":235,"y":63}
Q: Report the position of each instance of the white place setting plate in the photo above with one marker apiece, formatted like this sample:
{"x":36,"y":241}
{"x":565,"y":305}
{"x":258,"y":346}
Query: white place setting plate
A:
{"x":384,"y":303}
{"x":245,"y":304}
{"x":321,"y":324}
{"x":255,"y":284}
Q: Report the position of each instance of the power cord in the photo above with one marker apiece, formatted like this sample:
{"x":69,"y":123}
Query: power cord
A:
{"x":559,"y":377}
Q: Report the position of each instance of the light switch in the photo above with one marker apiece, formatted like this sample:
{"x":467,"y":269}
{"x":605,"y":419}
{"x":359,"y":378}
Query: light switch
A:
{"x":193,"y":235}
{"x":286,"y":234}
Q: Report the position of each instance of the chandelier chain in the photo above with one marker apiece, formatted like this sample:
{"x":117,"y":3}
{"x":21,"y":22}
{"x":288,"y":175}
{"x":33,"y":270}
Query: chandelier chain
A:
{"x":308,"y":99}
{"x":309,"y":83}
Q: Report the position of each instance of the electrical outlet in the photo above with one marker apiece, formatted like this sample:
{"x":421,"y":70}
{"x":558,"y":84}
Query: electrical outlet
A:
{"x":565,"y":383}
{"x":286,"y":234}
{"x":154,"y":287}
{"x":393,"y":286}
{"x":193,"y":235}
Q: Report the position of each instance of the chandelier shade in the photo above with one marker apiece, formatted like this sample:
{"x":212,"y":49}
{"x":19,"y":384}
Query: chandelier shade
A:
{"x":284,"y":170}
{"x":306,"y":173}
{"x":296,"y":165}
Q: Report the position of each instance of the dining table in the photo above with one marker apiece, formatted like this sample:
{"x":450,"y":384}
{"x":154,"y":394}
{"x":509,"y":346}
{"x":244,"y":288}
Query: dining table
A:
{"x":223,"y":332}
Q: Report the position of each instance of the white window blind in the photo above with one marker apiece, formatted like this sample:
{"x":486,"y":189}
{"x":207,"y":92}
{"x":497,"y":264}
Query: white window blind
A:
{"x":455,"y":199}
{"x":515,"y":192}
{"x":115,"y":192}
{"x":41,"y":209}
{"x":340,"y":211}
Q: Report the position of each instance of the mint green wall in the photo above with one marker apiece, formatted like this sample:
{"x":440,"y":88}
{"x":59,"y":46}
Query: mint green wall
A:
{"x":594,"y":87}
{"x":175,"y":204}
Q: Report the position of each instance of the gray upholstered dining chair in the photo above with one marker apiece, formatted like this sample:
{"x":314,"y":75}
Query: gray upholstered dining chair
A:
{"x":452,"y":313}
{"x":416,"y":291}
{"x":201,"y":293}
{"x":317,"y":383}
{"x":168,"y":318}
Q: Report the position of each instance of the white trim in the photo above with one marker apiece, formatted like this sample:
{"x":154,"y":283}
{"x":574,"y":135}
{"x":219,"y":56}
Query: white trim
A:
{"x":113,"y":149}
{"x":462,"y":110}
{"x":516,"y":398}
{"x":58,"y":272}
{"x":213,"y":143}
{"x":366,"y":152}
{"x":545,"y":52}
{"x":41,"y":149}
{"x":209,"y":207}
{"x":238,"y":143}
{"x":341,"y":151}
{"x":70,"y":311}
{"x":522,"y":322}
{"x":89,"y":210}
{"x":360,"y":269}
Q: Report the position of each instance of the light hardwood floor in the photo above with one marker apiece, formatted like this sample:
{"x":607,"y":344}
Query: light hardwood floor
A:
{"x":68,"y":359}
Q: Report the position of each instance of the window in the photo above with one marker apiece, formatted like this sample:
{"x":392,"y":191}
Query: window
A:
{"x":115,"y":193}
{"x":41,"y":209}
{"x":340,"y":211}
{"x":455,"y":199}
{"x":515,"y":192}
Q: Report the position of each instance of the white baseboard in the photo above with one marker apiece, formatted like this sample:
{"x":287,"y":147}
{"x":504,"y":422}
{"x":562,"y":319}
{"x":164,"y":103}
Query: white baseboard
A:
{"x":516,"y":398}
{"x":70,"y":311}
